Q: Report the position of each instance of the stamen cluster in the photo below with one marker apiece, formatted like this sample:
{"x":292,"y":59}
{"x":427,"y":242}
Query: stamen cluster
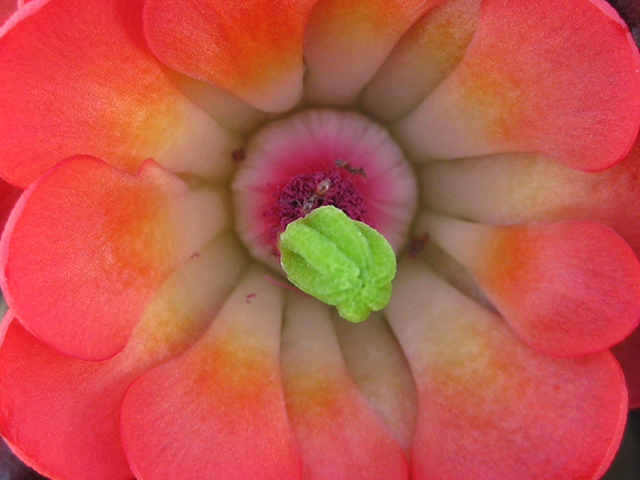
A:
{"x":308,"y":191}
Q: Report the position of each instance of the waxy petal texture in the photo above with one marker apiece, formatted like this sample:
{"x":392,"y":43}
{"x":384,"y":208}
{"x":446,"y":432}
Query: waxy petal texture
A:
{"x":566,"y":288}
{"x":75,"y":404}
{"x":218,"y":410}
{"x":422,"y":59}
{"x":492,"y":407}
{"x":321,"y":395}
{"x":46,"y":394}
{"x":376,"y":363}
{"x":346,"y":42}
{"x":88,"y":245}
{"x":77,"y":78}
{"x":510,"y":189}
{"x":514,"y":189}
{"x":7,"y":8}
{"x":626,"y":352}
{"x":550,"y":95}
{"x":252,"y":48}
{"x":136,"y":347}
{"x":8,"y":197}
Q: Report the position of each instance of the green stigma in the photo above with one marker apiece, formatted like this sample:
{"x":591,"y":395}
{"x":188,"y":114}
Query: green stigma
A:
{"x":339,"y":261}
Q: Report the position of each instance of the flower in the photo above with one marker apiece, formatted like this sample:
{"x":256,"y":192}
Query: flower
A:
{"x":150,"y":332}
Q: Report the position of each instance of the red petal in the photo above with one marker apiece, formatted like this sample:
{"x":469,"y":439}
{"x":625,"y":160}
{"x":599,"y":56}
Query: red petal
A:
{"x":75,"y":404}
{"x":376,"y":363}
{"x":566,"y":288}
{"x":556,"y":78}
{"x":7,"y":8}
{"x":422,"y":59}
{"x":8,"y":197}
{"x":346,"y":41}
{"x":252,"y":48}
{"x":225,"y":108}
{"x":47,"y":395}
{"x":490,"y":406}
{"x":217,"y":411}
{"x":628,"y":354}
{"x":629,"y":10}
{"x":512,"y":188}
{"x":108,"y":98}
{"x":87,"y":246}
{"x":338,"y":432}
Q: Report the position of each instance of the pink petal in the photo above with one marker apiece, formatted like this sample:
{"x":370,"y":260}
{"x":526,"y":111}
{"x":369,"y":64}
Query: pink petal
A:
{"x":54,"y":105}
{"x":491,"y":407}
{"x":88,"y":245}
{"x":338,"y":432}
{"x":217,"y":411}
{"x":565,"y":85}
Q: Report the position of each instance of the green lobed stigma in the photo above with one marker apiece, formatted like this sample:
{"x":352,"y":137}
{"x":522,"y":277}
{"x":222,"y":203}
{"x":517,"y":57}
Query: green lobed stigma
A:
{"x":339,"y":261}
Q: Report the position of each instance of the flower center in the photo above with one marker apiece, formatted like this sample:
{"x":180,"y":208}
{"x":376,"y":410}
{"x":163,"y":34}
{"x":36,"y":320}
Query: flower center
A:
{"x":307,"y":191}
{"x":321,"y":157}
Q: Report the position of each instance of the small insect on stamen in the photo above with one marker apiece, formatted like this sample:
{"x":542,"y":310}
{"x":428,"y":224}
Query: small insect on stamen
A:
{"x":238,"y":155}
{"x":310,"y":202}
{"x":323,"y":187}
{"x":340,"y":163}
